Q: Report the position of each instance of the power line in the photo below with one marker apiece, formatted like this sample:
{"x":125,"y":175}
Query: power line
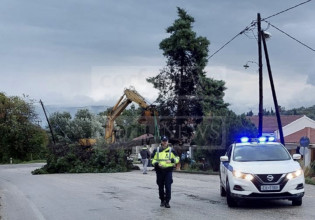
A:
{"x":240,"y":33}
{"x":291,"y":36}
{"x":224,"y":46}
{"x":285,"y":10}
{"x":248,"y":28}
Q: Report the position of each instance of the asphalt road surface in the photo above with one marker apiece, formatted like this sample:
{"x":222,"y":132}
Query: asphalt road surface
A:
{"x":129,"y":195}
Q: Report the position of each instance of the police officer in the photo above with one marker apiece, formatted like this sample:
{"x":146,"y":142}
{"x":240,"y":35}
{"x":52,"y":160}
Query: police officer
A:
{"x":164,"y":159}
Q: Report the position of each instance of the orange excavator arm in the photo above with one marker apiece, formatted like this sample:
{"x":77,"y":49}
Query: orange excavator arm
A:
{"x":130,"y":95}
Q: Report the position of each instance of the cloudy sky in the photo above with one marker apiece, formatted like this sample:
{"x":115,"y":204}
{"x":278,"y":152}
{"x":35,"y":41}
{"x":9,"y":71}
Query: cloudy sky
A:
{"x":79,"y":53}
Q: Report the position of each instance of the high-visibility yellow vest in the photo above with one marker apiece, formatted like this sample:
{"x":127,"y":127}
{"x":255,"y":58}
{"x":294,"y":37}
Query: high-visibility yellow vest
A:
{"x":163,"y":155}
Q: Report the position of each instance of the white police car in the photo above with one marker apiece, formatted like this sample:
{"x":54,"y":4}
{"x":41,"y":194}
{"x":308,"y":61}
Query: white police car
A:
{"x":260,"y":169}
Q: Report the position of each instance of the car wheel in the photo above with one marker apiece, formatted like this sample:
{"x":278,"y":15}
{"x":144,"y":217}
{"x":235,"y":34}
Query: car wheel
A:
{"x":230,"y":201}
{"x":297,"y":202}
{"x":222,"y":190}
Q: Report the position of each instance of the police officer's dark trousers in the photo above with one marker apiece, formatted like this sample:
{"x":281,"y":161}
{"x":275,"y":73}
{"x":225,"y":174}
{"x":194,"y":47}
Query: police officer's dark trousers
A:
{"x":164,"y":178}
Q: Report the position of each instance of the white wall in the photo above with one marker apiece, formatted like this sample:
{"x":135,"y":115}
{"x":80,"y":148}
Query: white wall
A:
{"x":295,"y":126}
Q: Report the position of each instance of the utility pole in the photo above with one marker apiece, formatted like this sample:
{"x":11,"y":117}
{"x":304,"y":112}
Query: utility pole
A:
{"x":260,"y":113}
{"x":273,"y":89}
{"x":51,"y":131}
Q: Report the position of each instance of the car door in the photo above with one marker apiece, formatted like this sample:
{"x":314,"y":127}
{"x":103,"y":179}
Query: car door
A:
{"x":224,"y":165}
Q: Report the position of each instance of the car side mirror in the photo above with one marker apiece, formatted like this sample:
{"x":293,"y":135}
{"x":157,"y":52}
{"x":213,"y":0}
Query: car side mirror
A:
{"x":224,"y":158}
{"x":296,"y":156}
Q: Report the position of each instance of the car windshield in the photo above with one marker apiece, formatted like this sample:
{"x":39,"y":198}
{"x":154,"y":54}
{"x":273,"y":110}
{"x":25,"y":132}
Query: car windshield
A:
{"x":260,"y":152}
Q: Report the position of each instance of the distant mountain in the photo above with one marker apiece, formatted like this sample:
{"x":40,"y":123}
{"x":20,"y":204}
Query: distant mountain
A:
{"x":50,"y":109}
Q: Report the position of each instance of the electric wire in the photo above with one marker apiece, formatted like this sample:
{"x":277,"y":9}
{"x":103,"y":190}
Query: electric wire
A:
{"x":285,"y":10}
{"x":233,"y":38}
{"x":249,"y":28}
{"x":223,"y":46}
{"x":293,"y":38}
{"x":255,"y":36}
{"x":250,"y":37}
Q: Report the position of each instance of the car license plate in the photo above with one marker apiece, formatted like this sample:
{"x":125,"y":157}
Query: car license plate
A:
{"x":269,"y":187}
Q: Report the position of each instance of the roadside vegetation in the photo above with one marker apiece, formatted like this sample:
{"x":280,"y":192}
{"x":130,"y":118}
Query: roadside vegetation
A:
{"x":74,"y":158}
{"x":21,"y":139}
{"x":190,"y":103}
{"x":33,"y":161}
{"x":309,"y":173}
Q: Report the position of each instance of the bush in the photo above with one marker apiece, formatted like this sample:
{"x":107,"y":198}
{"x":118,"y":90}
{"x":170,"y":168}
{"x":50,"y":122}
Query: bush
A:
{"x":312,"y":168}
{"x":209,"y":158}
{"x":78,"y":159}
{"x":309,"y":180}
{"x":309,"y":171}
{"x":39,"y":171}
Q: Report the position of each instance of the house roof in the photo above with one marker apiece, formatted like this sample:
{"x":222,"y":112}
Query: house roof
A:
{"x":295,"y":137}
{"x":270,"y":124}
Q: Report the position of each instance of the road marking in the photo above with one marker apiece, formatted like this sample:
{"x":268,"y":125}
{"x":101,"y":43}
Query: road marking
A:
{"x":12,"y":190}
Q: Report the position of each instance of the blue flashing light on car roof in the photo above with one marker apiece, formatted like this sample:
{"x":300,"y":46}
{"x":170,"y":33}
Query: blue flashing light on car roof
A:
{"x":244,"y":139}
{"x":262,"y":139}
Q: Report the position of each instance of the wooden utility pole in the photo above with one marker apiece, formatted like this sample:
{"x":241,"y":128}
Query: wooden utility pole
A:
{"x":51,"y":131}
{"x":273,"y":89}
{"x":260,"y":113}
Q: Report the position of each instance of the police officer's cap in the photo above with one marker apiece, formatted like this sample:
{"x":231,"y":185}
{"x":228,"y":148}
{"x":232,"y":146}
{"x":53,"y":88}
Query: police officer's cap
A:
{"x":164,"y":138}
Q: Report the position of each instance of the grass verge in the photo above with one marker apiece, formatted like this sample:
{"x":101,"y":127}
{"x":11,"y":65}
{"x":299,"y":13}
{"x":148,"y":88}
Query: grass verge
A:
{"x":33,"y":161}
{"x":308,"y":180}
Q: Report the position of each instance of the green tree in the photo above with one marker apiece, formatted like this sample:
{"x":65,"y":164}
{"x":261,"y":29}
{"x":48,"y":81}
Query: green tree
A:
{"x":218,"y":131}
{"x":250,"y":113}
{"x":185,"y":93}
{"x":83,"y":125}
{"x":20,"y":139}
{"x":62,"y":127}
{"x":211,"y":94}
{"x":223,"y":128}
{"x":86,"y":125}
{"x":309,"y":111}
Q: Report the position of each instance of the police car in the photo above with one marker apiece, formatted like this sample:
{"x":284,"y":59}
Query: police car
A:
{"x":260,"y":169}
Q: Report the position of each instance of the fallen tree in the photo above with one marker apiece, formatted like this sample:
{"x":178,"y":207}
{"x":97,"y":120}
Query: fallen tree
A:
{"x":73,"y":158}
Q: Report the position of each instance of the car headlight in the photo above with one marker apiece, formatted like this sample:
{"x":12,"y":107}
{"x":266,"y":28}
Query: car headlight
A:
{"x":245,"y":176}
{"x":294,"y":174}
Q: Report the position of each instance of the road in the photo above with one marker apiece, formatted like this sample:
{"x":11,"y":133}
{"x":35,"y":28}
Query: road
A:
{"x":130,"y":195}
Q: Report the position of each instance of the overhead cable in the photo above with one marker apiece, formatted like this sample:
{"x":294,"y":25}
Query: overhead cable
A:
{"x":290,"y":36}
{"x":286,"y":10}
{"x":240,"y":33}
{"x":254,"y":23}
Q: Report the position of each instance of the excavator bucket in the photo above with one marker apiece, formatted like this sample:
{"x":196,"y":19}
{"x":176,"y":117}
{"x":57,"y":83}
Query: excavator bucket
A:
{"x":149,"y":118}
{"x":146,"y":117}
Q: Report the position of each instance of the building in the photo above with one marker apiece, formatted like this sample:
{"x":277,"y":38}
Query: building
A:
{"x":294,"y":127}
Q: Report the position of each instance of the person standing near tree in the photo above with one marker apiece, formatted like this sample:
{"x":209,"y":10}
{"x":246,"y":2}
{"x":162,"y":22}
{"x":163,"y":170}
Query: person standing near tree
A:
{"x":145,"y":156}
{"x":164,"y":159}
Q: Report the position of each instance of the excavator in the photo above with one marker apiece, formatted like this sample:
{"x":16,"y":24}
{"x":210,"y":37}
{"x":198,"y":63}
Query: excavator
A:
{"x":149,"y":116}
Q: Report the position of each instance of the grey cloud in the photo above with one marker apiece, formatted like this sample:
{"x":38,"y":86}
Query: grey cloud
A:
{"x":71,"y":36}
{"x":311,"y":79}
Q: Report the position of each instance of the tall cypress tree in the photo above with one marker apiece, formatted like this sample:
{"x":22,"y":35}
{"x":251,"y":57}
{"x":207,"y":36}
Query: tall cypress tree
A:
{"x":182,"y":83}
